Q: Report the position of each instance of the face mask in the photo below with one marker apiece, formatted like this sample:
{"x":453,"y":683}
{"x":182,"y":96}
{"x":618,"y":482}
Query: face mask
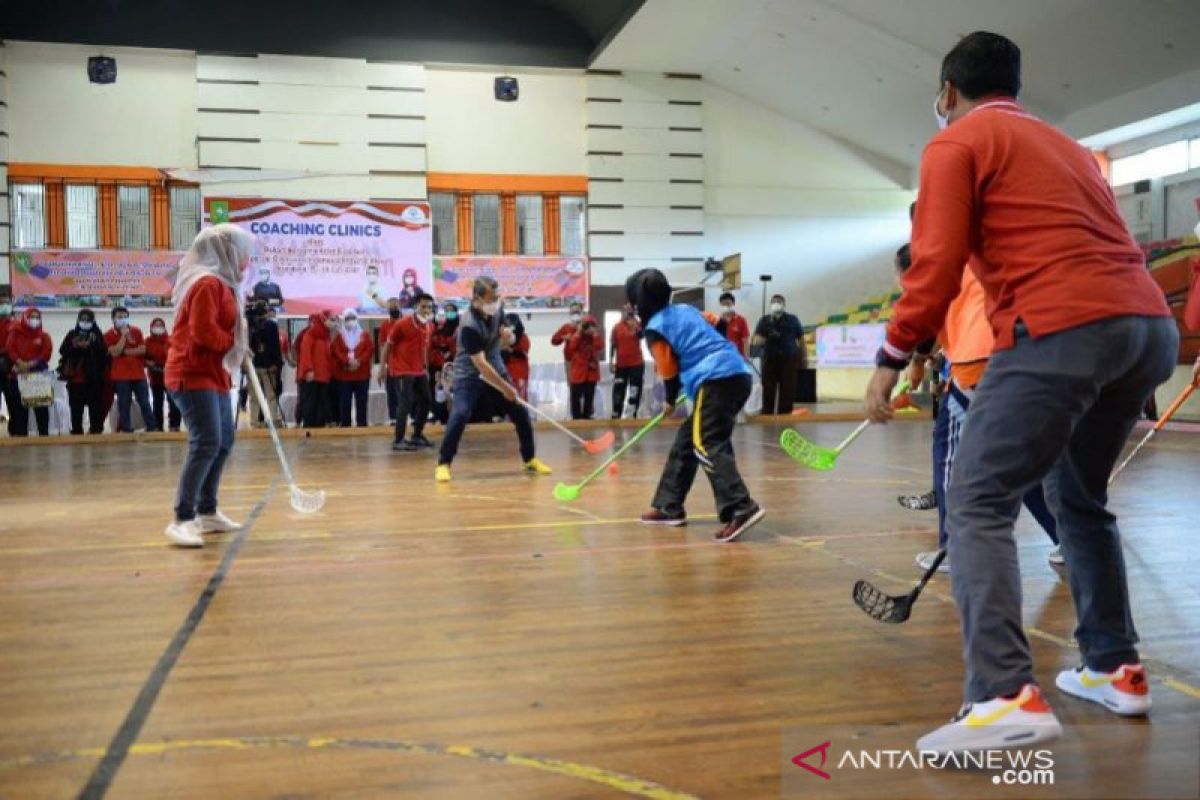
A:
{"x":942,"y":121}
{"x":451,"y":315}
{"x":122,"y":322}
{"x":490,"y":308}
{"x":727,"y":310}
{"x":5,"y":309}
{"x":85,"y":325}
{"x":351,"y":323}
{"x":372,"y":279}
{"x":158,"y":331}
{"x":35,"y":323}
{"x":776,"y":308}
{"x":409,"y":280}
{"x":576,"y":317}
{"x":265,"y":277}
{"x":424,"y":318}
{"x":394,"y":313}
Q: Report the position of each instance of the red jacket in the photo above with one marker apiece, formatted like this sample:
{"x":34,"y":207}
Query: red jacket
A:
{"x":626,"y":346}
{"x":204,"y":326}
{"x":25,"y":344}
{"x":409,"y":354}
{"x":443,"y":346}
{"x":583,"y":357}
{"x":362,"y":354}
{"x":123,"y":367}
{"x":737,"y":330}
{"x":516,"y":361}
{"x":314,"y":350}
{"x":157,"y":349}
{"x":563,"y":335}
{"x":1029,"y":207}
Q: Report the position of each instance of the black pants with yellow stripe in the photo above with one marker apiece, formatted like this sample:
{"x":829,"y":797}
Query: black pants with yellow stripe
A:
{"x":704,"y":441}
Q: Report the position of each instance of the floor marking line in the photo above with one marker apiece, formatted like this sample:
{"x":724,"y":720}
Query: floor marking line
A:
{"x":619,"y":781}
{"x":126,"y":736}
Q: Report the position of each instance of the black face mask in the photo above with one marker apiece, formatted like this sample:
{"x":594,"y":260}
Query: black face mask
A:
{"x":394,"y":313}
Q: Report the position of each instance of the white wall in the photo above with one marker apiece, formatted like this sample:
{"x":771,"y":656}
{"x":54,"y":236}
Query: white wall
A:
{"x":469,"y":130}
{"x":146,"y":118}
{"x":798,"y":205}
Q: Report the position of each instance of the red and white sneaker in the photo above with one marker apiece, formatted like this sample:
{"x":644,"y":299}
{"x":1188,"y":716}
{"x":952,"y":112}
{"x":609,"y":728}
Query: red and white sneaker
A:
{"x":1123,"y":691}
{"x":1005,"y":722}
{"x":656,"y":517}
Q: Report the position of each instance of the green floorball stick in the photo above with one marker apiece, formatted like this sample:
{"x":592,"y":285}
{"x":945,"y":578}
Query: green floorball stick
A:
{"x":565,"y":493}
{"x":820,"y":458}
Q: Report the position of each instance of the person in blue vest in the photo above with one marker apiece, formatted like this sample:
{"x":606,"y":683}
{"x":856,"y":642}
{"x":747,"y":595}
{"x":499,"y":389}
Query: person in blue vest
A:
{"x":693,"y":358}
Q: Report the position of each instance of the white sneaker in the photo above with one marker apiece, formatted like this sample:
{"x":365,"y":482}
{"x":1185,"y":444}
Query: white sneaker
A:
{"x":1055,"y":557}
{"x":996,"y":724}
{"x":925,"y":561}
{"x":185,"y":534}
{"x":1123,"y":691}
{"x":217,"y":522}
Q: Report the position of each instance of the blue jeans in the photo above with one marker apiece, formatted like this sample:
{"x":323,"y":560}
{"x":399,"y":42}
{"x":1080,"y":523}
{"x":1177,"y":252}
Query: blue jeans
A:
{"x":140,"y":390}
{"x":209,"y":420}
{"x":467,"y":392}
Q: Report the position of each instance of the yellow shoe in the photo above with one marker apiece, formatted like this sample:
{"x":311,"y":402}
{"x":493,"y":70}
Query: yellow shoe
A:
{"x":442,"y":473}
{"x":536,"y":467}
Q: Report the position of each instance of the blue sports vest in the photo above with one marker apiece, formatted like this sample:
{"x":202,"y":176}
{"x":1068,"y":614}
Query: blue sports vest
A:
{"x":704,"y":355}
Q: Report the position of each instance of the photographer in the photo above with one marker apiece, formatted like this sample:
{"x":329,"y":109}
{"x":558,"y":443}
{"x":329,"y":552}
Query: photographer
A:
{"x":268,"y":360}
{"x":783,"y":353}
{"x":583,"y":367}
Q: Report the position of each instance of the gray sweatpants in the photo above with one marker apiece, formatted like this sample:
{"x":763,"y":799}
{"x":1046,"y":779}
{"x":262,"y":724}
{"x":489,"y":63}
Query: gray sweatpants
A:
{"x":1056,"y":409}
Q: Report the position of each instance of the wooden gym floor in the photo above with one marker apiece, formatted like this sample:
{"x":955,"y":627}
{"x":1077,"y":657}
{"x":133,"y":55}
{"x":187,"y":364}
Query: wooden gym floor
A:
{"x":478,"y":639}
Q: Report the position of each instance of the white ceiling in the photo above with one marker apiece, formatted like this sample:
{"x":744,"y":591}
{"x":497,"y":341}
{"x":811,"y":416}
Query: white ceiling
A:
{"x":866,"y":71}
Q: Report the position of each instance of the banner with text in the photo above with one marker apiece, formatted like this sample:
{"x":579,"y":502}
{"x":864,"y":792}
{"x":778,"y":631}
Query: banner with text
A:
{"x":527,"y":283}
{"x":314,"y":254}
{"x":849,"y":345}
{"x":71,"y":278}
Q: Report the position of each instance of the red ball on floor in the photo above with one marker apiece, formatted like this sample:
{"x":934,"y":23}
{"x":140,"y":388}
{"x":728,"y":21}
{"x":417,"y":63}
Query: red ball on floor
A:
{"x":612,"y":469}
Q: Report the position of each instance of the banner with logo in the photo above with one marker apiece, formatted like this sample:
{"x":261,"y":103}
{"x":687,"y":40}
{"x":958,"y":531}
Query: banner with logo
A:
{"x":527,"y":283}
{"x":315,"y":254}
{"x":70,"y":278}
{"x":849,"y":345}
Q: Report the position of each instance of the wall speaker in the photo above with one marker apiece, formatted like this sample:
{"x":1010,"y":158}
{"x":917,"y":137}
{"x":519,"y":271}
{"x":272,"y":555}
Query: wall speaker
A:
{"x":507,"y":90}
{"x":102,"y":69}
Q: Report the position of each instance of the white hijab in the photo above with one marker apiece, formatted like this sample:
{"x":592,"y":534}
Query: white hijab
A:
{"x":351,"y":335}
{"x":220,"y":250}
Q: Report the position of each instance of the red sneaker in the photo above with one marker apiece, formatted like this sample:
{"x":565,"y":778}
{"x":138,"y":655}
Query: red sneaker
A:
{"x":656,"y":517}
{"x":740,"y":524}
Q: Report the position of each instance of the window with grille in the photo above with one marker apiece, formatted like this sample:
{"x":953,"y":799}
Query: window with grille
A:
{"x":487,"y":224}
{"x":133,"y":217}
{"x":81,"y":217}
{"x":445,"y":219}
{"x":28,"y":215}
{"x":572,"y":224}
{"x":185,"y":216}
{"x":529,"y":225}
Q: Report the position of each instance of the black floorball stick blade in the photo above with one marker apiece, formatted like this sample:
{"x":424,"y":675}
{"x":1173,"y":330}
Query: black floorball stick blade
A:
{"x":882,"y":607}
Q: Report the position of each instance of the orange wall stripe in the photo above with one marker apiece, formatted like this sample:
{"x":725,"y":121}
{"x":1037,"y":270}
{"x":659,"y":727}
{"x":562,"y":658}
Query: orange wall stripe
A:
{"x":84,"y":172}
{"x":466,"y":239}
{"x":56,"y":228}
{"x":483,"y":182}
{"x":160,"y":217}
{"x":108,"y":215}
{"x":551,"y":224}
{"x":508,"y":223}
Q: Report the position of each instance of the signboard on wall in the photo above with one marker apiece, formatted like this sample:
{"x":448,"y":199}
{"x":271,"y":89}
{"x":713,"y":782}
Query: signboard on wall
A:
{"x":73,"y":278}
{"x":527,"y":283}
{"x":849,"y":345}
{"x":333,"y":254}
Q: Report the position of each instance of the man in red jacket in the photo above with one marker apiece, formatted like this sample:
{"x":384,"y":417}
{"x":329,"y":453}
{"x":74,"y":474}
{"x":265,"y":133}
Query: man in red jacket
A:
{"x":127,"y":348}
{"x":1083,"y":337}
{"x":405,"y":362}
{"x":583,"y":367}
{"x":732,"y":324}
{"x":626,"y":363}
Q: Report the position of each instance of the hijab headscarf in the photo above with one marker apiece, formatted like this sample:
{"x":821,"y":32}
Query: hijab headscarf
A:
{"x":159,"y":321}
{"x":316,"y":324}
{"x":648,"y":291}
{"x":85,"y":315}
{"x":220,"y":251}
{"x":25,"y":330}
{"x":351,"y":335}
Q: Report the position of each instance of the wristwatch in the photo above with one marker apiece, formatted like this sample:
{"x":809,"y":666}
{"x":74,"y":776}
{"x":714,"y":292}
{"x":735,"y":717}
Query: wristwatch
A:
{"x":882,"y":359}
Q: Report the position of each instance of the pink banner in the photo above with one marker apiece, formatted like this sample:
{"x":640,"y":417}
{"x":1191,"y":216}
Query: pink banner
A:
{"x":527,"y":283}
{"x":315,"y":255}
{"x":48,"y":277}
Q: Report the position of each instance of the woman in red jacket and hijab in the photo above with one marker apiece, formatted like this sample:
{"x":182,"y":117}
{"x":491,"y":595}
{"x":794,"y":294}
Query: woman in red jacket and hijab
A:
{"x":352,"y":351}
{"x":316,"y":369}
{"x":583,"y":367}
{"x":29,"y":349}
{"x":209,"y":344}
{"x":158,"y":345}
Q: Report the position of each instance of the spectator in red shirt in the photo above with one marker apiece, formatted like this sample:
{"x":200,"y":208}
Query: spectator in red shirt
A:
{"x":84,"y":364}
{"x":8,"y":385}
{"x":626,"y":363}
{"x":442,"y":350}
{"x":405,"y":362}
{"x":514,"y":349}
{"x":1083,"y":337}
{"x":583,"y":367}
{"x":29,"y":349}
{"x":385,"y":330}
{"x":127,"y":349}
{"x":733,"y":325}
{"x":562,"y":337}
{"x":210,"y":343}
{"x":352,"y":351}
{"x":316,"y":369}
{"x":158,"y":345}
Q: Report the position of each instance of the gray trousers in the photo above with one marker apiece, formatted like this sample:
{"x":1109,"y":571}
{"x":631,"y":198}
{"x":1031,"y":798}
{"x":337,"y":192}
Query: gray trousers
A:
{"x":1057,"y":409}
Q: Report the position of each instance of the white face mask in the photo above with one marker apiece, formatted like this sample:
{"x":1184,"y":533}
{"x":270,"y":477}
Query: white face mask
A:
{"x":942,"y":120}
{"x":726,"y":309}
{"x":121,"y":322}
{"x":576,"y":318}
{"x":84,"y":325}
{"x":264,"y":277}
{"x":776,"y":308}
{"x":35,"y":323}
{"x":157,"y":331}
{"x":490,"y":308}
{"x":351,"y":323}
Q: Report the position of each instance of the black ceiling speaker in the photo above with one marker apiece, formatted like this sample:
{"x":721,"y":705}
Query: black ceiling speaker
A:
{"x":507,"y":90}
{"x":102,"y":69}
